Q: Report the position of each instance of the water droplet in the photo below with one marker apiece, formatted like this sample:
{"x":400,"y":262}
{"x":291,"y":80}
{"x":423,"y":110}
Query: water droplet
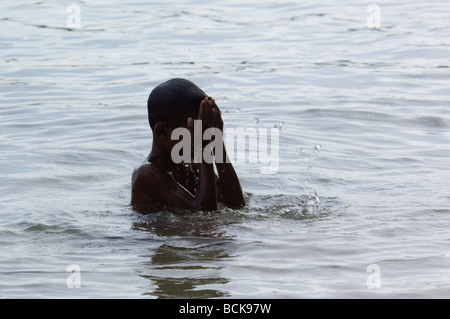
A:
{"x":316,"y":197}
{"x":278,"y":125}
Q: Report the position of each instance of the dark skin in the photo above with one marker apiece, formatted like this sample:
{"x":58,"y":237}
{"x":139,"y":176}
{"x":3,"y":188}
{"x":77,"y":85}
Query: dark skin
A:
{"x":160,"y":180}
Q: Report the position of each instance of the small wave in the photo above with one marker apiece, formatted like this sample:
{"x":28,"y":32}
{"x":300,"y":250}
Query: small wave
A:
{"x":59,"y":230}
{"x":173,"y":222}
{"x":429,"y":121}
{"x":44,"y":26}
{"x":293,"y":207}
{"x":42,"y":227}
{"x":164,"y":221}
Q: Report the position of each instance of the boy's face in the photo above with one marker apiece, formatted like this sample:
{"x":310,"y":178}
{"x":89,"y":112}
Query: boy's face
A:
{"x":166,"y":137}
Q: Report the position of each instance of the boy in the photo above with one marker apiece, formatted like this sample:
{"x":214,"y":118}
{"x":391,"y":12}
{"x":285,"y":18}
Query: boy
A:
{"x":194,"y":186}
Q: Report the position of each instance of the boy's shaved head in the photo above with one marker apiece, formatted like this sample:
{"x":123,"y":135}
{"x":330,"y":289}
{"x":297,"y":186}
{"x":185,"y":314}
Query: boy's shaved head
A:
{"x":173,"y":102}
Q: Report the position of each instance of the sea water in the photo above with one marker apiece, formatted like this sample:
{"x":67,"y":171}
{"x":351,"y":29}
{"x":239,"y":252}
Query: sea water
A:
{"x":359,"y":205}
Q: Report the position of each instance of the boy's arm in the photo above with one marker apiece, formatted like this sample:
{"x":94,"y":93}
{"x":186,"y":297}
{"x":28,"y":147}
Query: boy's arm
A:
{"x":230,"y":188}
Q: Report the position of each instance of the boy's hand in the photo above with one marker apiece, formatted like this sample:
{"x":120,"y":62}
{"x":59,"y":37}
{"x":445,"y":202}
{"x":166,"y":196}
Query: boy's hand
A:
{"x":217,"y":115}
{"x":210,"y":115}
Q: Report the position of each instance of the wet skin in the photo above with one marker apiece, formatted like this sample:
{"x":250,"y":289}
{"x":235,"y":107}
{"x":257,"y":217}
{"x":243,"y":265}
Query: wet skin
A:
{"x":192,"y":186}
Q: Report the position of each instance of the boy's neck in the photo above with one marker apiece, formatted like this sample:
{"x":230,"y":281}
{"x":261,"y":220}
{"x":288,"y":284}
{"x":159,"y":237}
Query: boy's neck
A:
{"x":161,"y":157}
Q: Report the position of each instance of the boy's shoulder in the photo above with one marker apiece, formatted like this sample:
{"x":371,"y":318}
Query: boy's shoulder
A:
{"x":142,"y":170}
{"x":147,"y":172}
{"x":146,"y":180}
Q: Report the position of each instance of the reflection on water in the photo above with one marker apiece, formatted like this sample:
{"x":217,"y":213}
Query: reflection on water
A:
{"x":186,"y":271}
{"x":187,"y":264}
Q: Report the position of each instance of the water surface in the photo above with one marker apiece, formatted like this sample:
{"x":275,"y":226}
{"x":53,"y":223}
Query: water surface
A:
{"x":363,"y":120}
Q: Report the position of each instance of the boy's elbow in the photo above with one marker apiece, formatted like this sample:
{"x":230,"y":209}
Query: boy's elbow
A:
{"x":208,"y":206}
{"x":237,"y":203}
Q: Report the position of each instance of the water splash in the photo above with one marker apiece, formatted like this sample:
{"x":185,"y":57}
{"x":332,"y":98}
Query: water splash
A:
{"x":280,"y":126}
{"x":306,"y":157}
{"x":312,"y":204}
{"x":291,"y":207}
